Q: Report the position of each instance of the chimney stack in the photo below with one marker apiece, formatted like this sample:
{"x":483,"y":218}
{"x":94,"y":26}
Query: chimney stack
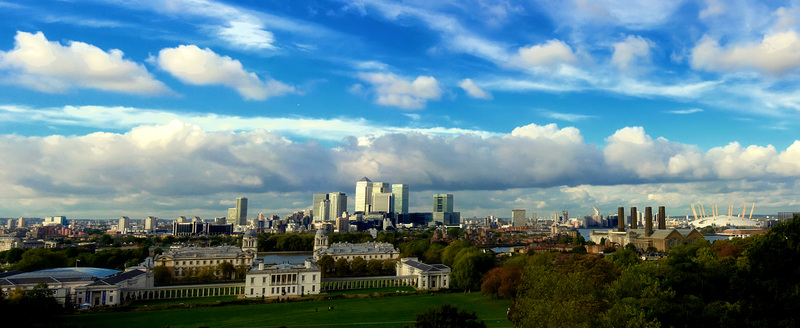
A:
{"x":620,"y":219}
{"x":648,"y":221}
{"x":634,"y":218}
{"x":662,"y":218}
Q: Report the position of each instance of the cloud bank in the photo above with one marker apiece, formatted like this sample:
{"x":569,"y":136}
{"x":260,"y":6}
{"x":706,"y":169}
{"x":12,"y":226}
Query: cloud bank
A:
{"x":178,"y":159}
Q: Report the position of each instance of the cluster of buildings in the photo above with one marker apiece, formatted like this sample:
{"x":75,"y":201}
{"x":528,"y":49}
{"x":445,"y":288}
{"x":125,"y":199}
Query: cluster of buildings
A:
{"x":647,"y":237}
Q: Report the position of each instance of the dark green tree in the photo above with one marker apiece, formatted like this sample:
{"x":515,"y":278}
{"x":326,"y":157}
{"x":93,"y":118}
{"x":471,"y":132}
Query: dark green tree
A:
{"x":448,"y":316}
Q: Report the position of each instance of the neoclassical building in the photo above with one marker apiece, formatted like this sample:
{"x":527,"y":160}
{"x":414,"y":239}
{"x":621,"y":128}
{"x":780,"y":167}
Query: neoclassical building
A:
{"x":181,"y":259}
{"x":367,"y":251}
{"x":429,"y":276}
{"x":283,"y":279}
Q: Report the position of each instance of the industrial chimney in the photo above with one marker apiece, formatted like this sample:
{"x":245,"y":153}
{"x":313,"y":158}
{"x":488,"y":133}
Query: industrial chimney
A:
{"x":620,"y":218}
{"x":634,"y":218}
{"x":662,"y":218}
{"x":648,"y":221}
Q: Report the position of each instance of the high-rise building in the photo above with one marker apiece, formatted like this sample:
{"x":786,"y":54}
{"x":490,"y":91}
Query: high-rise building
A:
{"x":150,"y":223}
{"x":315,"y":203}
{"x":363,"y":195}
{"x":327,"y":207}
{"x":382,"y":202}
{"x":238,"y":215}
{"x":518,"y":218}
{"x":338,"y":204}
{"x":241,"y":209}
{"x":443,"y":210}
{"x":324,"y":210}
{"x":400,"y":192}
{"x":124,"y":224}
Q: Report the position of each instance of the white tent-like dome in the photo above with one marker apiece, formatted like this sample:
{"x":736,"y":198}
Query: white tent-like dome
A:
{"x":723,"y":220}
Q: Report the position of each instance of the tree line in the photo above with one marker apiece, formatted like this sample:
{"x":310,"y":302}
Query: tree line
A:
{"x":750,"y":282}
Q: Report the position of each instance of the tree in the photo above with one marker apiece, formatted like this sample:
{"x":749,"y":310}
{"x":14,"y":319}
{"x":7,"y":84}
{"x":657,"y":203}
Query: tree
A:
{"x":226,"y":270}
{"x":449,"y":253}
{"x":448,"y":316}
{"x":358,"y":266}
{"x":468,"y":267}
{"x":326,"y":265}
{"x":342,"y":267}
{"x":580,"y":249}
{"x":162,"y":275}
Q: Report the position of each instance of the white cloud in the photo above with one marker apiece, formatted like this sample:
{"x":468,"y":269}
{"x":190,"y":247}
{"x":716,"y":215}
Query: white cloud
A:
{"x":569,"y":117}
{"x":631,"y":52}
{"x":551,"y":53}
{"x":247,"y":35}
{"x":474,"y":90}
{"x":198,"y":66}
{"x":49,"y":66}
{"x":685,"y":111}
{"x":776,"y":54}
{"x":392,"y":90}
{"x":713,"y":8}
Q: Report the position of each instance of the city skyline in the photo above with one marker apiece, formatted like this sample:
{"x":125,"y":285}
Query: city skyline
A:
{"x":138,"y":108}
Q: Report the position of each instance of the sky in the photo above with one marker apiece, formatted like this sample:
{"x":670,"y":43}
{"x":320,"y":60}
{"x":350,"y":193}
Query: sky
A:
{"x":178,"y":107}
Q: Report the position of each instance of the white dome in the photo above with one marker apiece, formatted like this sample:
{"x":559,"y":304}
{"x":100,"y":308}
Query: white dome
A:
{"x":723,"y":220}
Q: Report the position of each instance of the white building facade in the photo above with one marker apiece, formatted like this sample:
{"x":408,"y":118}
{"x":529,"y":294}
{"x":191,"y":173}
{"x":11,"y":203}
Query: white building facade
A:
{"x":283,"y":279}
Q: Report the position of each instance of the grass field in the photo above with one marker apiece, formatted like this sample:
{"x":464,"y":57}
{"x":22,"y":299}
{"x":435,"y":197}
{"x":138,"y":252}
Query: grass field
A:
{"x":395,"y":311}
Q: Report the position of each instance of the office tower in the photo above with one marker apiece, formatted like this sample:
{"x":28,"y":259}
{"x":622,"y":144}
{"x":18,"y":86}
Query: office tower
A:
{"x":400,"y":192}
{"x":518,"y":218}
{"x":443,"y":210}
{"x":382,"y":202}
{"x":338,"y":204}
{"x":363,"y":195}
{"x":324,"y":210}
{"x":318,"y":198}
{"x":182,"y":219}
{"x":232,"y":215}
{"x":241,"y":210}
{"x":124,"y":224}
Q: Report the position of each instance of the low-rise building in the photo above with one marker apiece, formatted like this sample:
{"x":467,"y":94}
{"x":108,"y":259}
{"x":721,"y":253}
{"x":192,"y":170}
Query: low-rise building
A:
{"x":662,"y":240}
{"x":270,"y":280}
{"x":429,"y":276}
{"x":81,"y":286}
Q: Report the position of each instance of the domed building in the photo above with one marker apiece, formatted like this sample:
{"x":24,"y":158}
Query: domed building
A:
{"x":367,"y":251}
{"x":723,"y":221}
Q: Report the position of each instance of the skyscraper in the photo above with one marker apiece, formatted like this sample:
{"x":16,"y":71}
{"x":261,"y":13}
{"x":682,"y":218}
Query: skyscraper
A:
{"x":518,"y":218}
{"x":241,"y":209}
{"x":382,"y":202}
{"x":443,"y":210}
{"x":400,"y":192}
{"x":338,"y":204}
{"x":124,"y":224}
{"x":363,"y":195}
{"x":238,"y":215}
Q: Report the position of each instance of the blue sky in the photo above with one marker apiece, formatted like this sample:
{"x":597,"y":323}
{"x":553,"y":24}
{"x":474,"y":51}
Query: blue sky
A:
{"x":168,"y":108}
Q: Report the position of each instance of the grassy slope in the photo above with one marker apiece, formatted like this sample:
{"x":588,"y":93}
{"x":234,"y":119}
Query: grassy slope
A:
{"x":398,"y":311}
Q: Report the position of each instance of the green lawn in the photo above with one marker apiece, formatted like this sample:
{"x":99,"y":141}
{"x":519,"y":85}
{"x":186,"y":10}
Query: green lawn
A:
{"x":396,"y":311}
{"x":196,"y":300}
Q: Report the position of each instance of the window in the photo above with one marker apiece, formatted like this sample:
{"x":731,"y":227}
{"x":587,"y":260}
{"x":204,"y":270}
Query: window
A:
{"x":252,"y":281}
{"x":264,"y":280}
{"x":111,"y":299}
{"x":251,"y":291}
{"x":313,"y":288}
{"x":303,"y":278}
{"x":314,"y":278}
